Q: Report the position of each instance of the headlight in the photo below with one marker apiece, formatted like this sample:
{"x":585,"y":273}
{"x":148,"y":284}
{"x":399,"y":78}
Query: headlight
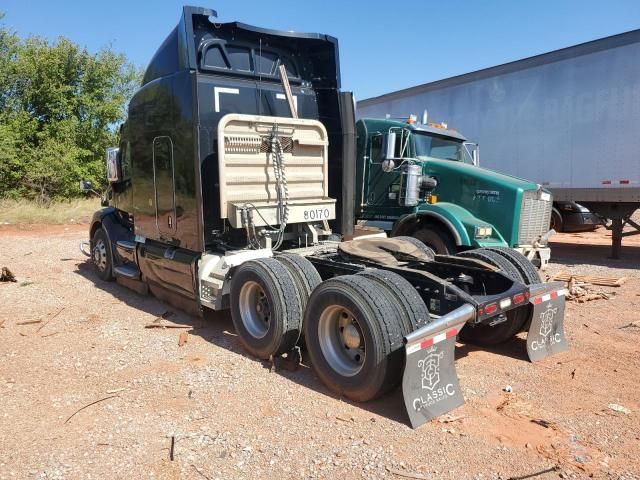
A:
{"x":483,"y":231}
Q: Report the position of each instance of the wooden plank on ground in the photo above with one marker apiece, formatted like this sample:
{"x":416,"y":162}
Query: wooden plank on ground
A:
{"x":594,"y":280}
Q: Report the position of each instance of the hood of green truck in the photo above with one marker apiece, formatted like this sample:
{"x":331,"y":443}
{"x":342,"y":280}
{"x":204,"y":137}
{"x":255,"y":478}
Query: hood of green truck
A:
{"x":490,"y":196}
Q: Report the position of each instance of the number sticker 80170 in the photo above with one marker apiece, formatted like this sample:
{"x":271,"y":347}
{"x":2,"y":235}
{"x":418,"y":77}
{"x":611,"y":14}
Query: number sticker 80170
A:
{"x":317,"y":214}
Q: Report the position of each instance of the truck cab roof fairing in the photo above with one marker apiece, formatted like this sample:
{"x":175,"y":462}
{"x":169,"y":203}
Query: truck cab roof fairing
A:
{"x":178,"y":53}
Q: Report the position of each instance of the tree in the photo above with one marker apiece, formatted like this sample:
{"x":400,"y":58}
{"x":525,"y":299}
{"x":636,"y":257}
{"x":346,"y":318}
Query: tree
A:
{"x":60,"y":107}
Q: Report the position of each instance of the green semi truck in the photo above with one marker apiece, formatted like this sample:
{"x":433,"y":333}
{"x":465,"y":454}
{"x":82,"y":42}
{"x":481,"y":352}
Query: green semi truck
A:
{"x":423,"y":180}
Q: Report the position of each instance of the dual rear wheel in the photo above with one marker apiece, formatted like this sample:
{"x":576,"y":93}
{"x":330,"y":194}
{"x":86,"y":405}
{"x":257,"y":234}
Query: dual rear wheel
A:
{"x":353,"y":325}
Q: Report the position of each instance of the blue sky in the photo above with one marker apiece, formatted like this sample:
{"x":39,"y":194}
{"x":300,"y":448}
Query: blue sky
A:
{"x":384,"y":46}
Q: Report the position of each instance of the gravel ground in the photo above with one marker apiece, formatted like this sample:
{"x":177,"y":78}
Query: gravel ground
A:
{"x":228,"y":416}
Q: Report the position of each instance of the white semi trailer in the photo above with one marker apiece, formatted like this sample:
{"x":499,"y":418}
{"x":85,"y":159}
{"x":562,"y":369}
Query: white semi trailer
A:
{"x":568,"y":119}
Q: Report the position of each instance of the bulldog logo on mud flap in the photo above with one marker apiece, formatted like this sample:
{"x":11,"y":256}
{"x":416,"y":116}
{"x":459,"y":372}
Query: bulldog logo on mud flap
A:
{"x":433,"y":391}
{"x":546,"y":318}
{"x":430,"y":366}
{"x":546,"y":326}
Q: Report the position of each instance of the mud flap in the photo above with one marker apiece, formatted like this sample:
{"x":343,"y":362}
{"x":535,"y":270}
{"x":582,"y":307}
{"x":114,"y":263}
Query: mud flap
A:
{"x":546,"y":334}
{"x":430,"y":384}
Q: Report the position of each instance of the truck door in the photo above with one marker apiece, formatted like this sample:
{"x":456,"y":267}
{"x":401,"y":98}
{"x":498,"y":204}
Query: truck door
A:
{"x":381,"y":188}
{"x":164,"y":185}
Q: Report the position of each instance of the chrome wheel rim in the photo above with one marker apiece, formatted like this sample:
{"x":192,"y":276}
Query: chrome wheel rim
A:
{"x":341,"y":340}
{"x":255,"y":310}
{"x":100,"y":255}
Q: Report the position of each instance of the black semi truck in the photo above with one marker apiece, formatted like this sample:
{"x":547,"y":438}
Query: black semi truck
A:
{"x":232,"y":188}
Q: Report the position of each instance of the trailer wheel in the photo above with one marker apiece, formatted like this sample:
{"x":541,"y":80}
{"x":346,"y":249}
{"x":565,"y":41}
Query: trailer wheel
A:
{"x":516,"y":318}
{"x":527,"y":270}
{"x":101,"y":255}
{"x":421,"y":246}
{"x":303,"y":272}
{"x":265,"y":307}
{"x":437,"y":239}
{"x":413,"y":311}
{"x":353,"y":339}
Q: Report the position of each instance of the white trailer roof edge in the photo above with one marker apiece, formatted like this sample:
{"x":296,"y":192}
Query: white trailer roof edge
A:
{"x":573,"y":51}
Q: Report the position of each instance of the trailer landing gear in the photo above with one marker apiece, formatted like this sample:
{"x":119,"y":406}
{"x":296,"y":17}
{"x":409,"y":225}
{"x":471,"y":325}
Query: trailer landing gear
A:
{"x":617,"y":233}
{"x":619,"y":215}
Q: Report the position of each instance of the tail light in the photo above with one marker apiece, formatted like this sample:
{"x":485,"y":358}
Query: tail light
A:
{"x":519,"y":298}
{"x":491,"y":309}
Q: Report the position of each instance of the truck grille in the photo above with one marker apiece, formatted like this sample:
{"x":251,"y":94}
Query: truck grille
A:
{"x":535,"y":217}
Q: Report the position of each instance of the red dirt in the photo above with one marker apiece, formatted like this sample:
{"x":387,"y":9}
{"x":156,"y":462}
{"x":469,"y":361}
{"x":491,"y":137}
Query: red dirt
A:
{"x":231,"y":418}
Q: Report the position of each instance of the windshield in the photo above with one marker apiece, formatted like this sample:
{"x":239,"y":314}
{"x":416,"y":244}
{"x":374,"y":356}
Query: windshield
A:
{"x":428,"y":146}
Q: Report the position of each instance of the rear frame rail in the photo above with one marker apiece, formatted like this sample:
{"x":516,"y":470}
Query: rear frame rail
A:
{"x":440,"y":294}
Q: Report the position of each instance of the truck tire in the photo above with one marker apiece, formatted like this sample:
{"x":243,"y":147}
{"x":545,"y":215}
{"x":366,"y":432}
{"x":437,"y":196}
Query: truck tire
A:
{"x":353,"y":339}
{"x":303,"y":272}
{"x":101,"y":255}
{"x":556,"y":220}
{"x":516,"y":319}
{"x":423,"y":248}
{"x":266,"y":307}
{"x":436,"y":238}
{"x":527,"y":270}
{"x":412,"y":309}
{"x":495,"y":259}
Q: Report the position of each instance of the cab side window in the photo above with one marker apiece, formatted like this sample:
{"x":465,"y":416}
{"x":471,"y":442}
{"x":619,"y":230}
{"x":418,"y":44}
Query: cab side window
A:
{"x":125,"y":160}
{"x":376,"y":149}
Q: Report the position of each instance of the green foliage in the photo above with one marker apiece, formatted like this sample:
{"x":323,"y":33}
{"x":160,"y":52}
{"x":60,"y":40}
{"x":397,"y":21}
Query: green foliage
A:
{"x":59,"y":109}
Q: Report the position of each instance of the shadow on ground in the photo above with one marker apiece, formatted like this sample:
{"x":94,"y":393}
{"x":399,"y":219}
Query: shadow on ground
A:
{"x":515,"y":348}
{"x":217,"y":328}
{"x":571,"y":254}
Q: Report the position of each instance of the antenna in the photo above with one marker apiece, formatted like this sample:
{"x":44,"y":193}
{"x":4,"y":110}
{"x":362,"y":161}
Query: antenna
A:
{"x":287,"y":90}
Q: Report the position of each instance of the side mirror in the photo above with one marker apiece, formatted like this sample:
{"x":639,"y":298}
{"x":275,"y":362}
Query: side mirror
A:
{"x":389,"y":145}
{"x":472,"y":151}
{"x":86,"y":186}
